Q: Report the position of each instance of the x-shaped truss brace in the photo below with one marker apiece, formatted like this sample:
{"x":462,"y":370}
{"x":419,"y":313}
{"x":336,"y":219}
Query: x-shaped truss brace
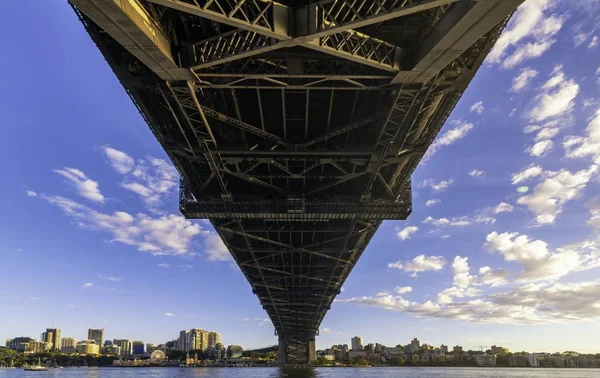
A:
{"x":327,"y":26}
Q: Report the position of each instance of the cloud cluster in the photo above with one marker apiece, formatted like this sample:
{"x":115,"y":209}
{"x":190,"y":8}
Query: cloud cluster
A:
{"x":84,"y":186}
{"x":528,"y":304}
{"x":405,"y":233}
{"x":522,"y":80}
{"x":459,"y":131}
{"x":529,"y":34}
{"x":556,"y":189}
{"x":432,"y":202}
{"x":475,"y":173}
{"x":556,"y":97}
{"x":477,"y":107}
{"x":437,"y":186}
{"x":531,"y":172}
{"x":164,"y":235}
{"x":420,"y":264}
{"x":152,"y":179}
{"x":588,"y":145}
{"x":536,"y":260}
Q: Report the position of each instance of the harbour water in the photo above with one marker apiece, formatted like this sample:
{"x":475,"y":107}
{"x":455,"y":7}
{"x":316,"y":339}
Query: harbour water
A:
{"x":392,"y":372}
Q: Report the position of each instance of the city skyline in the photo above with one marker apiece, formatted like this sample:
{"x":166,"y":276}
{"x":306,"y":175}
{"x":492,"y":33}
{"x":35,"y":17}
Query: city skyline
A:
{"x":505,"y":207}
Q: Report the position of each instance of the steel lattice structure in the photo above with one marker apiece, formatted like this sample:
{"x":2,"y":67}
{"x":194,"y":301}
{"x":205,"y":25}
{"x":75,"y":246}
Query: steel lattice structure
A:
{"x":295,"y":125}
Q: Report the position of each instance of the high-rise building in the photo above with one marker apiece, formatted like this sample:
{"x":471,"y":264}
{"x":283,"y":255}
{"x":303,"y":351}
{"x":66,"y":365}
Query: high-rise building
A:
{"x":97,"y":335}
{"x":88,"y":347}
{"x":357,"y":343}
{"x":125,"y":345}
{"x":214,"y":338}
{"x":52,"y":336}
{"x":457,"y":349}
{"x":415,"y":345}
{"x":182,"y":341}
{"x":195,"y":339}
{"x":444,"y":348}
{"x":112,"y":350}
{"x":150,"y":347}
{"x":138,"y":347}
{"x":68,"y":345}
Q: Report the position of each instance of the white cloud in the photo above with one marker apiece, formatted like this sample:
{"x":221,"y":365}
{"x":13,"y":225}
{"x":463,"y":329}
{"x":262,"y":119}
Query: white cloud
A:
{"x":31,"y":193}
{"x":441,"y":222}
{"x":593,"y":43}
{"x":88,"y":285}
{"x":420,"y":264}
{"x":437,"y":186}
{"x":72,"y":306}
{"x":531,"y":128}
{"x":120,"y":161}
{"x":488,"y":276}
{"x":164,"y":265}
{"x":85,"y":187}
{"x":541,"y":148}
{"x":594,"y":207}
{"x":151,"y":179}
{"x":432,"y":202}
{"x":215,"y":248}
{"x":526,"y":52}
{"x":168,"y":314}
{"x":477,"y":107}
{"x":109,"y":278}
{"x":537,"y":261}
{"x":528,"y":304}
{"x":476,"y":173}
{"x":459,"y":131}
{"x":528,"y":35}
{"x":403,"y":289}
{"x":164,"y":235}
{"x":522,"y":80}
{"x":528,"y":173}
{"x":558,"y":188}
{"x":580,"y":38}
{"x":406,"y":232}
{"x":460,"y":268}
{"x":382,"y":294}
{"x":547,"y":133}
{"x":584,"y":146}
{"x":556,"y":97}
{"x":503,"y":207}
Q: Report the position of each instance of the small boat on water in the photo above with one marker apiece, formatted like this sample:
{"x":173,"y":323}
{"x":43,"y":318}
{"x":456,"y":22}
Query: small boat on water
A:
{"x":37,"y":367}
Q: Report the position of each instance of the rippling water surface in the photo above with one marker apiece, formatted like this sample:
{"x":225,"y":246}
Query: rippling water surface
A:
{"x":402,"y":372}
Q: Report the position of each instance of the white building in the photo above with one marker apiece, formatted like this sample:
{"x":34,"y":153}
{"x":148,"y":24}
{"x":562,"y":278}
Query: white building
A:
{"x":485,"y":359}
{"x":357,"y":343}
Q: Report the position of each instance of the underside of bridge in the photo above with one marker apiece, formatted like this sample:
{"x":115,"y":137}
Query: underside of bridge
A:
{"x":295,"y":125}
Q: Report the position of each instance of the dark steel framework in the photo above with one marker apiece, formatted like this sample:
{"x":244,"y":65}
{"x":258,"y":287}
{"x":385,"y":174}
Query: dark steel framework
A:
{"x":295,"y":126}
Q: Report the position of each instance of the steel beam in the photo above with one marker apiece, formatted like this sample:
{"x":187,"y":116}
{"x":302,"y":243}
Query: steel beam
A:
{"x":130,"y":24}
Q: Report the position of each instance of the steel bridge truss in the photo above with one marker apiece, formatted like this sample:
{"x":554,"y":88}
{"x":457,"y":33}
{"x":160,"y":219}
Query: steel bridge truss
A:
{"x":295,"y":127}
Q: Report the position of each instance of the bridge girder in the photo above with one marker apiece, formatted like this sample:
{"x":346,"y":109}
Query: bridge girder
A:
{"x":295,"y":128}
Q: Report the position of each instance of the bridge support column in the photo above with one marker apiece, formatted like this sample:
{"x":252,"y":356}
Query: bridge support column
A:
{"x":293,"y":351}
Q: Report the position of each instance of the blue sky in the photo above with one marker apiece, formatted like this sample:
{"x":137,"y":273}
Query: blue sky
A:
{"x":502,"y":246}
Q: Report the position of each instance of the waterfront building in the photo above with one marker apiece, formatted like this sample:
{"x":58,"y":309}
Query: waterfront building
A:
{"x":414,"y":346}
{"x":138,"y":347}
{"x":88,"y":347}
{"x":18,"y":343}
{"x":96,"y":334}
{"x":112,"y":350}
{"x":485,"y":359}
{"x":52,"y":336}
{"x":68,"y":345}
{"x":498,"y":350}
{"x":37,"y":347}
{"x":125,"y":345}
{"x":357,"y":343}
{"x":444,"y":349}
{"x":150,"y":347}
{"x":457,"y":349}
{"x":214,"y":338}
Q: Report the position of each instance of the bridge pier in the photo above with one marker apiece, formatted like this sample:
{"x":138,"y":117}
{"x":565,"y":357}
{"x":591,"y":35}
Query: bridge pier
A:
{"x":294,"y":351}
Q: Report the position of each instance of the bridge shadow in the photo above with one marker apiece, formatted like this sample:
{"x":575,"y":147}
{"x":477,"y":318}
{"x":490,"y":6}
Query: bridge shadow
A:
{"x":295,"y":372}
